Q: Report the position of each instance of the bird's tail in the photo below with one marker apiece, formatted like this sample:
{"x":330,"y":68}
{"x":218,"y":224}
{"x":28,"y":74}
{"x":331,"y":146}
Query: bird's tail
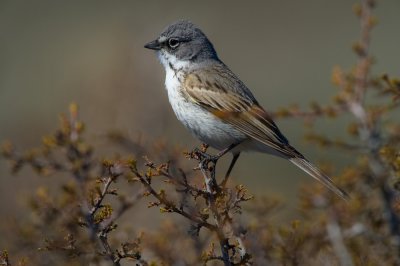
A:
{"x":313,"y":171}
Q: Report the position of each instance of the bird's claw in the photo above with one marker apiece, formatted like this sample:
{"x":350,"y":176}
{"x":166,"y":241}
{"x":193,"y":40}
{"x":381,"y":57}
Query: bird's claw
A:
{"x":204,"y":157}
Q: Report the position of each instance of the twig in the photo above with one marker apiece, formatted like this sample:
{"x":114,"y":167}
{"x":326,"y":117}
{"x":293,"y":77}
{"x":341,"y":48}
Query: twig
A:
{"x":103,"y":237}
{"x":222,"y":219}
{"x":4,"y":260}
{"x":173,"y":208}
{"x":336,"y":237}
{"x":126,"y":205}
{"x":102,"y":195}
{"x":210,"y":183}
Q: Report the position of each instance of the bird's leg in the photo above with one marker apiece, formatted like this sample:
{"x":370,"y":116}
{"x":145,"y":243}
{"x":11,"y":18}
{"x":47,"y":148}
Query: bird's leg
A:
{"x":214,"y":159}
{"x":234,"y":159}
{"x":207,"y":158}
{"x":224,"y":151}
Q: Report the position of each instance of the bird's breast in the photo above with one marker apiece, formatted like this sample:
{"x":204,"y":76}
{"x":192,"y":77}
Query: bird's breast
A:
{"x":200,"y":122}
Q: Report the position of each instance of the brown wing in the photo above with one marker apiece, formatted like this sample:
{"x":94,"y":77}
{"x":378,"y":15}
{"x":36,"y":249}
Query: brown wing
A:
{"x":228,"y":99}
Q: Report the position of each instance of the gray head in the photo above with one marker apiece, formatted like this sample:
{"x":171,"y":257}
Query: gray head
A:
{"x":183,"y":41}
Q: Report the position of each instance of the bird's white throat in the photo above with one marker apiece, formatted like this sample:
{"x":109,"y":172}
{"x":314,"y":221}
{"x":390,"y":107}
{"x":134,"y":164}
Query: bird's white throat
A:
{"x":169,"y":60}
{"x":173,"y":70}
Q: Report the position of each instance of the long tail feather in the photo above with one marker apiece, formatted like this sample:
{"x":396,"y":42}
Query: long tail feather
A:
{"x":313,"y":171}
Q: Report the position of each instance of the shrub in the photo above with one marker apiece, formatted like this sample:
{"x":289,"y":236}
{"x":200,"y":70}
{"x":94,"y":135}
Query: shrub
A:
{"x":79,"y":221}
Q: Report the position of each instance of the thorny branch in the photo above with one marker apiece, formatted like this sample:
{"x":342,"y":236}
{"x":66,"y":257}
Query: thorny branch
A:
{"x":169,"y":206}
{"x":222,"y":218}
{"x":221,"y":203}
{"x":95,"y":215}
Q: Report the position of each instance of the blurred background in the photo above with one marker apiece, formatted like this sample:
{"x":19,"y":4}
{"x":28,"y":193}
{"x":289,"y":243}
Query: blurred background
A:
{"x":53,"y":53}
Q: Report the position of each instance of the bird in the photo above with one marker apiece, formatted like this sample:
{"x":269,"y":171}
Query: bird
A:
{"x":216,"y":106}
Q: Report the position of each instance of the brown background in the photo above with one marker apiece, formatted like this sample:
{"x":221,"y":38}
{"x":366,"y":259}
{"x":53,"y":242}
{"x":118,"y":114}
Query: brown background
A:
{"x":56,"y":52}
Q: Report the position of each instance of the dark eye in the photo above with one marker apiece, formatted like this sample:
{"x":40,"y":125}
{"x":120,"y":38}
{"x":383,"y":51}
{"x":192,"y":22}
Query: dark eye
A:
{"x":173,"y":43}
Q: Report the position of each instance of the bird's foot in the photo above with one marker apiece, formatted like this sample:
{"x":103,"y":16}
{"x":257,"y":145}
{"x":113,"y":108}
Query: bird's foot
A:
{"x":207,"y":164}
{"x":204,"y":158}
{"x":202,"y":155}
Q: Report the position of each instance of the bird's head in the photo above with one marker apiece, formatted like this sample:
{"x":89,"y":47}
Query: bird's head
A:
{"x":182,"y":42}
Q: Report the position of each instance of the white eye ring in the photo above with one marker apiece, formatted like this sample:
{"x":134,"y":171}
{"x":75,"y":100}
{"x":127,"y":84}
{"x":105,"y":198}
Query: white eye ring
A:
{"x":173,"y":43}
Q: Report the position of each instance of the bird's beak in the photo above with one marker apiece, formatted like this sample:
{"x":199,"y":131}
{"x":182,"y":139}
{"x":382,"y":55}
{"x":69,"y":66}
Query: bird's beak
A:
{"x":153,"y":45}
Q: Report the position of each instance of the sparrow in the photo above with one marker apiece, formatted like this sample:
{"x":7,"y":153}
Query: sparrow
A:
{"x":216,"y":106}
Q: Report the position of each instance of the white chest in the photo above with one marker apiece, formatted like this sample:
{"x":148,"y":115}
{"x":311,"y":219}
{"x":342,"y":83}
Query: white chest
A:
{"x":185,"y":110}
{"x":199,"y":122}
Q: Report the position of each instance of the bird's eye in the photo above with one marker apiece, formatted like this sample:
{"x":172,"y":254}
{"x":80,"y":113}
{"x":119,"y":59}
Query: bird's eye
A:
{"x":173,"y":43}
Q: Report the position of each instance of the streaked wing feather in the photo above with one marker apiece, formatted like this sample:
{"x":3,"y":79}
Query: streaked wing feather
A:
{"x":233,"y":103}
{"x":235,"y":108}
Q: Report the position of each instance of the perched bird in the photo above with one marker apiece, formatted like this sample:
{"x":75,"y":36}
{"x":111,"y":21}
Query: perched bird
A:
{"x":215,"y":105}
